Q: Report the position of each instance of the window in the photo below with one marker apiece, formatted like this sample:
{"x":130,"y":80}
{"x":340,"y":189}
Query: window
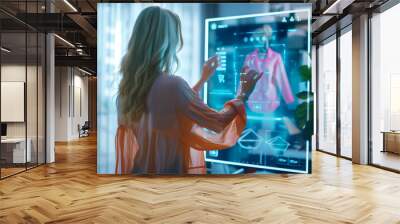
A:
{"x":385,"y":89}
{"x":327,"y":96}
{"x":346,"y":94}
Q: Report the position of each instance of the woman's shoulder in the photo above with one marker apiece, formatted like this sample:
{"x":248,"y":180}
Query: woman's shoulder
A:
{"x":173,"y":81}
{"x":176,"y":78}
{"x":172,"y":86}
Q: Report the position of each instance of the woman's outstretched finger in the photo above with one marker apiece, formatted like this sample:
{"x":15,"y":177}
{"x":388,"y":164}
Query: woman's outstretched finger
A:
{"x":252,"y":74}
{"x":214,"y":60}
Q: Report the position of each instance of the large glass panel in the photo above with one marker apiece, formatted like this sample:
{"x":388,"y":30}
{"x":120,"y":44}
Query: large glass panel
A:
{"x":327,"y":96}
{"x":33,"y":72}
{"x":22,"y":89}
{"x":31,"y":97}
{"x":385,"y":84}
{"x":41,"y":98}
{"x":13,"y":92}
{"x":346,"y":94}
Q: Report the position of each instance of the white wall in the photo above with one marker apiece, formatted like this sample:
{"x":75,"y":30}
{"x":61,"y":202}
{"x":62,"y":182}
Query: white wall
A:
{"x":12,"y":73}
{"x":70,"y":83}
{"x":16,"y":73}
{"x":80,"y":83}
{"x":61,"y":103}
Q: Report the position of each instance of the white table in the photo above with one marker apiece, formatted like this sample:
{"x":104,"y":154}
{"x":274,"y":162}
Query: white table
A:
{"x":18,"y":148}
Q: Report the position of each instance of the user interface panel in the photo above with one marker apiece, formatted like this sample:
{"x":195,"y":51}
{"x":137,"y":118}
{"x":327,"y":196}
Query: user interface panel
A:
{"x":279,"y":110}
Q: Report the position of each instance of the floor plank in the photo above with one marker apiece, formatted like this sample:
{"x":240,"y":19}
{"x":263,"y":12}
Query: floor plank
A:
{"x":70,"y":191}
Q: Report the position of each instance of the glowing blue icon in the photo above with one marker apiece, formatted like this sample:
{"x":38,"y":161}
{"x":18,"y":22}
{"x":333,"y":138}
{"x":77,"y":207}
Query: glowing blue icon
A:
{"x":284,"y":20}
{"x":297,"y":18}
{"x":257,"y":38}
{"x":278,"y":144}
{"x":213,"y":153}
{"x":264,"y":38}
{"x":221,"y":78}
{"x":291,"y":19}
{"x":249,"y":139}
{"x":251,"y":39}
{"x":282,"y":160}
{"x":213,"y":26}
{"x":246,"y":39}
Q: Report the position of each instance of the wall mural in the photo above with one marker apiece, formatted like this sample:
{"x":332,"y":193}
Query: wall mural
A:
{"x":240,"y":100}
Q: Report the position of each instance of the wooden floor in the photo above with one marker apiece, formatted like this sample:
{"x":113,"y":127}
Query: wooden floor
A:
{"x":387,"y":159}
{"x":5,"y":172}
{"x":70,"y":191}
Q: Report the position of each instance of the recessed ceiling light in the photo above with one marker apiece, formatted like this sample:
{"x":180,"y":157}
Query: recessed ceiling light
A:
{"x":84,"y":71}
{"x":337,"y":7}
{"x":70,"y":5}
{"x":64,"y":40}
{"x":5,"y":50}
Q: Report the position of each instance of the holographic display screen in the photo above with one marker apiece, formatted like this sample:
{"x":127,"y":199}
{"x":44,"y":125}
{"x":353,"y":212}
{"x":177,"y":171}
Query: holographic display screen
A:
{"x":279,"y":109}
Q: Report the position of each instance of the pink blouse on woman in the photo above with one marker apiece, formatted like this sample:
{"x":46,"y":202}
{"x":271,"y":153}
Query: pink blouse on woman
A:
{"x":171,"y":136}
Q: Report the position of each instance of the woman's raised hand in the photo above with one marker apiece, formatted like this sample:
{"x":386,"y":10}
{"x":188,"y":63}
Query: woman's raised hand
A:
{"x":209,"y":68}
{"x":248,"y":80}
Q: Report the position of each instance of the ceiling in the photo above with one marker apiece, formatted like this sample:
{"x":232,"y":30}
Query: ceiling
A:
{"x":74,"y":22}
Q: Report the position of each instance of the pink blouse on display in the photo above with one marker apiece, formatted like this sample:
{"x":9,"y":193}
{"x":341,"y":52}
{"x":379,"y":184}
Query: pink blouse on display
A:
{"x":265,"y":95}
{"x":170,"y":138}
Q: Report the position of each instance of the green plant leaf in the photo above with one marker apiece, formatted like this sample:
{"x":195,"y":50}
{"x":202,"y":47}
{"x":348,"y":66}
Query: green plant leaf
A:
{"x":308,"y":130}
{"x":300,"y":115}
{"x":304,"y":95}
{"x":305,"y":73}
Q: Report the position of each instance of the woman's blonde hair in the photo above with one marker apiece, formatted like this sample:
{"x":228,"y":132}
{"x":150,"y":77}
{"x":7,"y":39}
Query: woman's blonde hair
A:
{"x":152,"y":49}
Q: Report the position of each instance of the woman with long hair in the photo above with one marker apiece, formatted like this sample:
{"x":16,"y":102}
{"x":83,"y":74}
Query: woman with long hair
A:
{"x":164,"y":127}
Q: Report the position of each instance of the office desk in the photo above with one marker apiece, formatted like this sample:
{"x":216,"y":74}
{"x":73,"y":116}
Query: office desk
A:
{"x":391,"y":141}
{"x":13,"y":150}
